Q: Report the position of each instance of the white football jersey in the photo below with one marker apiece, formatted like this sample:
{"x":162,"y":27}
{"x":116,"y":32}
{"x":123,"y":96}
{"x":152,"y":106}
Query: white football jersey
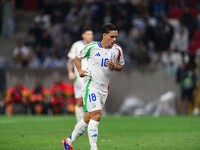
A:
{"x":74,"y":51}
{"x":98,"y":73}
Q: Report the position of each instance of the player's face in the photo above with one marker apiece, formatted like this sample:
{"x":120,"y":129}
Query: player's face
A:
{"x":110,"y":38}
{"x":88,"y":36}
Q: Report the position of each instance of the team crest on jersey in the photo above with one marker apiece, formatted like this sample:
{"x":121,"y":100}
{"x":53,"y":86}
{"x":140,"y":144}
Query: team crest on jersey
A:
{"x":112,"y":55}
{"x":98,"y":54}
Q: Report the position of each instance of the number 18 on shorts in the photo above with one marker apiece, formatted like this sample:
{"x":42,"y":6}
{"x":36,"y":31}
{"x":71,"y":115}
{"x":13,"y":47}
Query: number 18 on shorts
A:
{"x":94,"y":101}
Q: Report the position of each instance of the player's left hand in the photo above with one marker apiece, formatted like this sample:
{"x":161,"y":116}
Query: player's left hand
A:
{"x":110,"y":64}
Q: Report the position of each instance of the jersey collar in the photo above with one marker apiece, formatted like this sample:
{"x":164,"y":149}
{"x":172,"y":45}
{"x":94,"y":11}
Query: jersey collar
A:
{"x":99,"y":44}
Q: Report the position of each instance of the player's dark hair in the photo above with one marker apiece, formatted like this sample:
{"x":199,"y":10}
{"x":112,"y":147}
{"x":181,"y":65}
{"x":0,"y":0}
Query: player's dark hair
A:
{"x":85,"y":29}
{"x":108,"y":27}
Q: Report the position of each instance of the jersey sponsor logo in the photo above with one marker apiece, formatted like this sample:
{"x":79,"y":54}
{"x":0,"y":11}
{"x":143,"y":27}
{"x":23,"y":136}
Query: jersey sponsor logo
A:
{"x":98,"y":54}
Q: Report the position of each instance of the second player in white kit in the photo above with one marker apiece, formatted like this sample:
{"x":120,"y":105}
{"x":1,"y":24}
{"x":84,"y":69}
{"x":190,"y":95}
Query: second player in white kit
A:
{"x":87,"y":37}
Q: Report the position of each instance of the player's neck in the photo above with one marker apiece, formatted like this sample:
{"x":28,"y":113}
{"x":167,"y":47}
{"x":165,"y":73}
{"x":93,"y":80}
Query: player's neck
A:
{"x":104,"y":45}
{"x":85,"y":42}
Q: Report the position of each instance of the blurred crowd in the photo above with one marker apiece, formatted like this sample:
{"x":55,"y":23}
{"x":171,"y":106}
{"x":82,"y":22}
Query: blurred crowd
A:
{"x":165,"y":33}
{"x":58,"y":99}
{"x":150,"y":31}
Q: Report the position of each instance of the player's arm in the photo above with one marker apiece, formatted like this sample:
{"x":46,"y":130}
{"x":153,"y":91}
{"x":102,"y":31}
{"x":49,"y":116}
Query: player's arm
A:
{"x":70,"y":68}
{"x":114,"y":66}
{"x":120,"y":61}
{"x":82,"y":73}
{"x":118,"y":67}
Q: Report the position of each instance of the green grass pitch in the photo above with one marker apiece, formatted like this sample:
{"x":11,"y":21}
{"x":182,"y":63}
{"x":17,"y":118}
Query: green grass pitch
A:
{"x":115,"y":133}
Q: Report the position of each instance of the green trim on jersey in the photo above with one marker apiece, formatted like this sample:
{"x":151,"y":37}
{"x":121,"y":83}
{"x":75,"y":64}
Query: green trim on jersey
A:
{"x":89,"y":48}
{"x":88,"y":52}
{"x":86,"y":95}
{"x":75,"y":78}
{"x":90,"y":44}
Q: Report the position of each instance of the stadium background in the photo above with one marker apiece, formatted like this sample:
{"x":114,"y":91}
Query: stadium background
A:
{"x":146,"y":74}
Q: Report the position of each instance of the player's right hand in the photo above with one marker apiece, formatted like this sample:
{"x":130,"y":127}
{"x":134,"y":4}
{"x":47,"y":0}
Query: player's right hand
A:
{"x":82,"y":73}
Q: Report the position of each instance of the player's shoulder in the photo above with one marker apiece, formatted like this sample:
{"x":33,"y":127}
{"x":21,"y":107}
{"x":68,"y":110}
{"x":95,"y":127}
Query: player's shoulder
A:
{"x":78,"y":42}
{"x":92,"y":44}
{"x":117,"y":47}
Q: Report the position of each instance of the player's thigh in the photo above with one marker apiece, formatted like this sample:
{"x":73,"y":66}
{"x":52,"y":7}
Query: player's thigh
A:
{"x":79,"y":101}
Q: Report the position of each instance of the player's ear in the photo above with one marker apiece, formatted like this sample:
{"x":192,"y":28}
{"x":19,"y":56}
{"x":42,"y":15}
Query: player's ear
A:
{"x":104,"y":34}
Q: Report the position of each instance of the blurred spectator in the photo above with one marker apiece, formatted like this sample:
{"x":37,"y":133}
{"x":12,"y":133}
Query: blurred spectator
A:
{"x":58,"y":49}
{"x":150,"y":31}
{"x":196,"y":110}
{"x":57,"y":16}
{"x":30,"y":41}
{"x":180,"y":42}
{"x":1,"y":15}
{"x":2,"y":89}
{"x":2,"y":61}
{"x":71,"y":98}
{"x":36,"y":32}
{"x":171,"y":60}
{"x":188,"y":20}
{"x":16,"y":99}
{"x":42,"y":19}
{"x":59,"y":95}
{"x":157,"y":8}
{"x":73,"y":18}
{"x":198,"y":20}
{"x":163,"y":37}
{"x":21,"y":54}
{"x":48,"y":5}
{"x":194,"y":43}
{"x":45,"y":40}
{"x":142,"y":53}
{"x":54,"y":61}
{"x":186,"y":79}
{"x":38,"y":99}
{"x":7,"y":19}
{"x":34,"y":61}
{"x":40,"y":52}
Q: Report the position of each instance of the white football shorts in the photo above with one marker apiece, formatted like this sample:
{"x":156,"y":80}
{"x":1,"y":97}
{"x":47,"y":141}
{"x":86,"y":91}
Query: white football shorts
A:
{"x":93,"y":100}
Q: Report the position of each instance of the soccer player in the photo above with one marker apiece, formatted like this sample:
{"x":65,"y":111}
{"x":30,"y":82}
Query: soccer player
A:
{"x":103,"y":58}
{"x":87,"y":37}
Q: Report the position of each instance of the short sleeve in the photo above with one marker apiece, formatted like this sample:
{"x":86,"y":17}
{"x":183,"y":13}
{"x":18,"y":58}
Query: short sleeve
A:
{"x":120,"y":55}
{"x":85,"y":52}
{"x":72,"y":51}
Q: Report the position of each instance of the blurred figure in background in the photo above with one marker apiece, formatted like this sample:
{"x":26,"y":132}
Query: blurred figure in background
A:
{"x":8,"y":18}
{"x":16,"y":99}
{"x":38,"y":99}
{"x":180,"y":41}
{"x":59,"y":95}
{"x":87,"y":37}
{"x":186,"y":79}
{"x":163,"y":37}
{"x":196,"y":110}
{"x":21,"y":54}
